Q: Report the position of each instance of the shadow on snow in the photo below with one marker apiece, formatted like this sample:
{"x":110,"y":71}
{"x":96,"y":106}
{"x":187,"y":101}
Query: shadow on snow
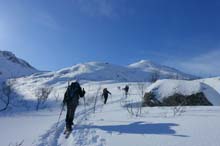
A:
{"x":138,"y":128}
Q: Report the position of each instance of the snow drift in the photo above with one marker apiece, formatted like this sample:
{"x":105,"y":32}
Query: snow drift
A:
{"x":212,"y":82}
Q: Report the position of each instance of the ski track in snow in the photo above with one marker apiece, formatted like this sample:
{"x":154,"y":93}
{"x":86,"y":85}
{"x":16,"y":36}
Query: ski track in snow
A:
{"x":79,"y":136}
{"x":50,"y":138}
{"x":82,"y":134}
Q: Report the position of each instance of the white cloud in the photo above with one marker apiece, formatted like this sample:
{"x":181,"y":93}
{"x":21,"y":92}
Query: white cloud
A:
{"x":204,"y":64}
{"x":207,"y":64}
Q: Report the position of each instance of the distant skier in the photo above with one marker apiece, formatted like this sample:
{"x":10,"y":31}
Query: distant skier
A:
{"x":105,"y":95}
{"x":71,"y":99}
{"x":126,"y":89}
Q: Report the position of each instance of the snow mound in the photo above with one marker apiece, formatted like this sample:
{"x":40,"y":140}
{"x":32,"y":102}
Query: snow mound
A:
{"x":165,"y":88}
{"x":213,"y":82}
{"x":11,"y":66}
{"x":163,"y":71}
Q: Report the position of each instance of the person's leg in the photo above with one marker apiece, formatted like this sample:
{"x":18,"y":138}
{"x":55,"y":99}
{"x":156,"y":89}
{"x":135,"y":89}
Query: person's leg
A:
{"x":72,"y":114}
{"x":105,"y":99}
{"x":68,"y":116}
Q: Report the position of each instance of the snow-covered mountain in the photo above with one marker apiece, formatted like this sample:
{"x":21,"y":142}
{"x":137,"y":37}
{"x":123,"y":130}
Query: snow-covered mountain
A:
{"x":12,"y":66}
{"x":90,"y":71}
{"x":163,"y":72}
{"x":99,"y":128}
{"x":98,"y":71}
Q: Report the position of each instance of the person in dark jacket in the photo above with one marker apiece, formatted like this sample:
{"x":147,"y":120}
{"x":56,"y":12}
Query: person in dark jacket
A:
{"x":105,"y":95}
{"x":126,"y":89}
{"x":71,"y":100}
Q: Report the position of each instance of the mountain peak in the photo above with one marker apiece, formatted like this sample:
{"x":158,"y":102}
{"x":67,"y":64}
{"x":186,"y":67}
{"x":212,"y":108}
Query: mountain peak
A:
{"x":12,"y":58}
{"x":165,"y":71}
{"x":143,"y":63}
{"x":6,"y":54}
{"x":12,"y":66}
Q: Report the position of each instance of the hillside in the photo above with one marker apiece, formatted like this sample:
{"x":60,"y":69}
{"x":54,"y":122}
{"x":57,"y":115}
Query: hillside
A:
{"x":122,"y":121}
{"x":91,"y":71}
{"x":113,"y":124}
{"x":98,"y":71}
{"x":12,"y":66}
{"x":163,"y":72}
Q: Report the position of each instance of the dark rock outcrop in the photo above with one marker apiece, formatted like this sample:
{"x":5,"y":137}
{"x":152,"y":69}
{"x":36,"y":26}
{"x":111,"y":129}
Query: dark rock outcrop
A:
{"x":198,"y":99}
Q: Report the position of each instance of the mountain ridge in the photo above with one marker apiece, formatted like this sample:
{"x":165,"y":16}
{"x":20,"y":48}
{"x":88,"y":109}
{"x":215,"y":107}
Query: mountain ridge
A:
{"x":144,"y":70}
{"x":11,"y":66}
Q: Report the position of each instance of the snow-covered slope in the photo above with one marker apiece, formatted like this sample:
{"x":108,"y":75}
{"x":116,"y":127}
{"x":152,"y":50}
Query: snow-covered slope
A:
{"x":113,"y":125}
{"x":98,"y":71}
{"x":11,"y":66}
{"x":165,"y":88}
{"x":91,"y":71}
{"x":212,"y":82}
{"x":161,"y":70}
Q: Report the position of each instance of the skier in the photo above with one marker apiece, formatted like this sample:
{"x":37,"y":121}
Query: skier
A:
{"x":105,"y":94}
{"x":126,"y":89}
{"x":71,"y":99}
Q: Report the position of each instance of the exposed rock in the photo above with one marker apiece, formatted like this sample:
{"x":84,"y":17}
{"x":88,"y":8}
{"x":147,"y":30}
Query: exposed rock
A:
{"x":150,"y":100}
{"x":197,"y":99}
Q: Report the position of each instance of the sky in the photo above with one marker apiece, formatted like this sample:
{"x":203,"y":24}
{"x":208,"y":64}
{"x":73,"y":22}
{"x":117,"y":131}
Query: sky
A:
{"x":52,"y":34}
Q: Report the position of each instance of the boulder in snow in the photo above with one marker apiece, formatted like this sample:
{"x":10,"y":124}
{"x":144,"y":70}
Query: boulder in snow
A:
{"x":180,"y":92}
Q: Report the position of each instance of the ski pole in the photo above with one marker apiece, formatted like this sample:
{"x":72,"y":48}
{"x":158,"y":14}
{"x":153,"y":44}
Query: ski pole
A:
{"x":85,"y":106}
{"x":60,"y":115}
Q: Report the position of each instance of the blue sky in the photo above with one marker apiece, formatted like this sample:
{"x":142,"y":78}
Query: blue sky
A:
{"x":52,"y":34}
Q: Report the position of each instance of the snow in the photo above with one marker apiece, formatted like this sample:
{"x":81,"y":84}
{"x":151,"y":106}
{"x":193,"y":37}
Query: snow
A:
{"x":168,"y":87}
{"x":98,"y":71}
{"x":212,"y":82}
{"x":165,"y":88}
{"x":25,"y":126}
{"x":163,"y":71}
{"x":111,"y":124}
{"x":25,"y":87}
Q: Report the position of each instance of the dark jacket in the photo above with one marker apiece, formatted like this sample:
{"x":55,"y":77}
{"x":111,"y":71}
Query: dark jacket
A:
{"x":126,"y":88}
{"x":73,"y":93}
{"x":105,"y":92}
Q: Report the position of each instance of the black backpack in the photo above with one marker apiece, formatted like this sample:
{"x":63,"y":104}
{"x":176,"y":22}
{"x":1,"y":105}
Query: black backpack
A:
{"x":72,"y":91}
